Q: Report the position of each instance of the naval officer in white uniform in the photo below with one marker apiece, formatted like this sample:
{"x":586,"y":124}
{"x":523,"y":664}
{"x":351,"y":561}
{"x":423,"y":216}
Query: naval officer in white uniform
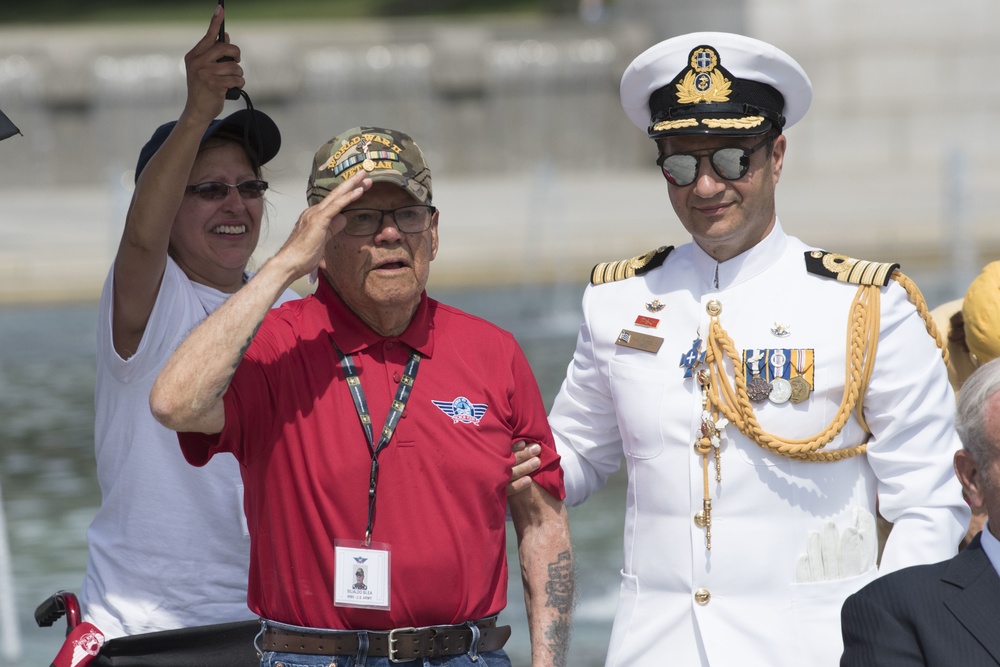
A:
{"x":762,"y":392}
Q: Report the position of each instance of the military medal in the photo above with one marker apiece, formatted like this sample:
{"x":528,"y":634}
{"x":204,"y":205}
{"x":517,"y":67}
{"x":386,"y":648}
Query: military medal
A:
{"x":800,"y":386}
{"x":758,"y":389}
{"x":781,"y":390}
{"x":655,"y":306}
{"x":369,"y":163}
{"x":691,"y":358}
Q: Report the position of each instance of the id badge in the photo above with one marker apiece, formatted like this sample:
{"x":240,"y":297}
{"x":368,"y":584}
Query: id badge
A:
{"x":361,"y":575}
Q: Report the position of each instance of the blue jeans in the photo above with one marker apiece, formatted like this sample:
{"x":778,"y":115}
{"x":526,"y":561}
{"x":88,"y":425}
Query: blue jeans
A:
{"x":278,"y":659}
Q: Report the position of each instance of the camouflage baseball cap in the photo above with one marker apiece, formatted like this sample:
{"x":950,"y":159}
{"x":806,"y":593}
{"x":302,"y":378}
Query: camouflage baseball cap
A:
{"x":387,"y":155}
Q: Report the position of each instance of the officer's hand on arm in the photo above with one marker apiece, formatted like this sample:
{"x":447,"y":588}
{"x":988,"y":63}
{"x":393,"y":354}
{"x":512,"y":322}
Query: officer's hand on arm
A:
{"x":188,"y":394}
{"x":526,"y":461}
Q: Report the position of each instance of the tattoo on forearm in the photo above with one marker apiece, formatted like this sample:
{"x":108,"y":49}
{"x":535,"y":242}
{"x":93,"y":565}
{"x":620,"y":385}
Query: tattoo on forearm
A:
{"x":559,"y":587}
{"x":239,"y":357}
{"x":243,"y":350}
{"x":557,"y":636}
{"x":559,"y":592}
{"x":224,"y":385}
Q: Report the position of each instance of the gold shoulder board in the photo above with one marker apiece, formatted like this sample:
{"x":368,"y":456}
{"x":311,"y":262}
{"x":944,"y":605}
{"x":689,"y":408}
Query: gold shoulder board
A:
{"x":849,"y":270}
{"x":607,"y":272}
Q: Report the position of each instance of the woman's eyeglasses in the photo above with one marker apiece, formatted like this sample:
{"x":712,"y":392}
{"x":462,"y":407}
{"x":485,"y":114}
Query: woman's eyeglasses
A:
{"x":213,"y":191}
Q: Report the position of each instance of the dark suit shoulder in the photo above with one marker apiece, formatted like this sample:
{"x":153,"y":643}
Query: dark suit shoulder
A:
{"x":937,"y":615}
{"x":969,"y":565}
{"x":905,"y":582}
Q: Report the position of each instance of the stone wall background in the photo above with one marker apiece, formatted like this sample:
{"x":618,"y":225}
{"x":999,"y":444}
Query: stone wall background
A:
{"x":538,"y":172}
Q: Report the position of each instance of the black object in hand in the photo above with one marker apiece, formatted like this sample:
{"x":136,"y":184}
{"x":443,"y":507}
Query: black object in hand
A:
{"x":232,"y":93}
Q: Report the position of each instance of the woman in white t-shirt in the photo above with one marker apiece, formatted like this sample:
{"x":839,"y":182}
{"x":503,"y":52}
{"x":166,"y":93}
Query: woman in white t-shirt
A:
{"x":169,"y":547}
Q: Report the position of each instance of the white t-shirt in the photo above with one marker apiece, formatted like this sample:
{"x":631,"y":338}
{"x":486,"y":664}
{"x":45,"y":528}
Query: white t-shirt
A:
{"x":168,"y":547}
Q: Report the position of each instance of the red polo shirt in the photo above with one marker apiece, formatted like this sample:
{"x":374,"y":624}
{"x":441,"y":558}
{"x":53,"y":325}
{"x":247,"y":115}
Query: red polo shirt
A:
{"x":441,"y":499}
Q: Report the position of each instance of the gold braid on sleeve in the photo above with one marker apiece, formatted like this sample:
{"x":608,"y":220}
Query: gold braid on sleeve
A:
{"x":918,"y":300}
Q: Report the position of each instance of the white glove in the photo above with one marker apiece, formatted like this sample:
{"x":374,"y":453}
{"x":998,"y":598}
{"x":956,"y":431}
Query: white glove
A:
{"x":859,"y":544}
{"x":835,"y":555}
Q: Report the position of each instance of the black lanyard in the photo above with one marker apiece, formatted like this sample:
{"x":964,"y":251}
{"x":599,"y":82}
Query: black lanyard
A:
{"x":391,"y":420}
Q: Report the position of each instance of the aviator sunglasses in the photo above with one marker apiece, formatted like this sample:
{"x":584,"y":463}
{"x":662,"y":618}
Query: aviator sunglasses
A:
{"x":214,"y":191}
{"x":730,"y":163}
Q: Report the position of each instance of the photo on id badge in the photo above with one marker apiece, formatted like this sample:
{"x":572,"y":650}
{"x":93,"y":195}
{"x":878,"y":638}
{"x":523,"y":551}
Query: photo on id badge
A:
{"x":361,"y":575}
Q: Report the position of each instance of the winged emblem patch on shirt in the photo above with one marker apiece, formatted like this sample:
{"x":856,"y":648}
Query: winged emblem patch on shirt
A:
{"x":462,"y":410}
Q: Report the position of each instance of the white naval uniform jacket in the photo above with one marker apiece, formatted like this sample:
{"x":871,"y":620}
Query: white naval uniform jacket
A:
{"x":621,"y":402}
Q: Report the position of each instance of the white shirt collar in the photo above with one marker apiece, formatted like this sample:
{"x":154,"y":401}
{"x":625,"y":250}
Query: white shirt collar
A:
{"x":991,"y":546}
{"x":745,"y":265}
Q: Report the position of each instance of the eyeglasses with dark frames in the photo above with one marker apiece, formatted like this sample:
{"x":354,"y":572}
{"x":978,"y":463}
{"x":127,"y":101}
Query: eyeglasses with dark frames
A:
{"x":408,"y":219}
{"x":213,"y":191}
{"x":730,"y":163}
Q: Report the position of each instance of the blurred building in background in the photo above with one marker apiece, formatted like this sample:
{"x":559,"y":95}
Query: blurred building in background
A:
{"x":538,"y":172}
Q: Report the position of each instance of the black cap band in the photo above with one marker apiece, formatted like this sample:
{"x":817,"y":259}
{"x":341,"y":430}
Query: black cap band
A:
{"x":748,"y":98}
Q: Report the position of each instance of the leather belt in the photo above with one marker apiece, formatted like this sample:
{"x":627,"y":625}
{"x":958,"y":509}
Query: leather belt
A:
{"x":399,"y":645}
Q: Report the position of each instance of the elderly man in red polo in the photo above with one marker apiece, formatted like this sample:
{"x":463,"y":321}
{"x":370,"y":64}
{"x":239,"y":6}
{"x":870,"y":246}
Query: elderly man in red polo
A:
{"x":374,"y":426}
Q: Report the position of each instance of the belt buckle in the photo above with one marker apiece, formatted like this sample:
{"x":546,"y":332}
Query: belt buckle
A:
{"x":392,"y":644}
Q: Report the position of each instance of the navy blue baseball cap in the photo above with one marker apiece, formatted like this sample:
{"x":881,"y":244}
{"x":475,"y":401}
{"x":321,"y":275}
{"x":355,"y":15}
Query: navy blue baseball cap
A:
{"x":261,"y":136}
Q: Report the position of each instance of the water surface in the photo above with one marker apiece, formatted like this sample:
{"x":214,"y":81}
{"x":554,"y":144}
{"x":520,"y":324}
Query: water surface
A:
{"x":50,"y":493}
